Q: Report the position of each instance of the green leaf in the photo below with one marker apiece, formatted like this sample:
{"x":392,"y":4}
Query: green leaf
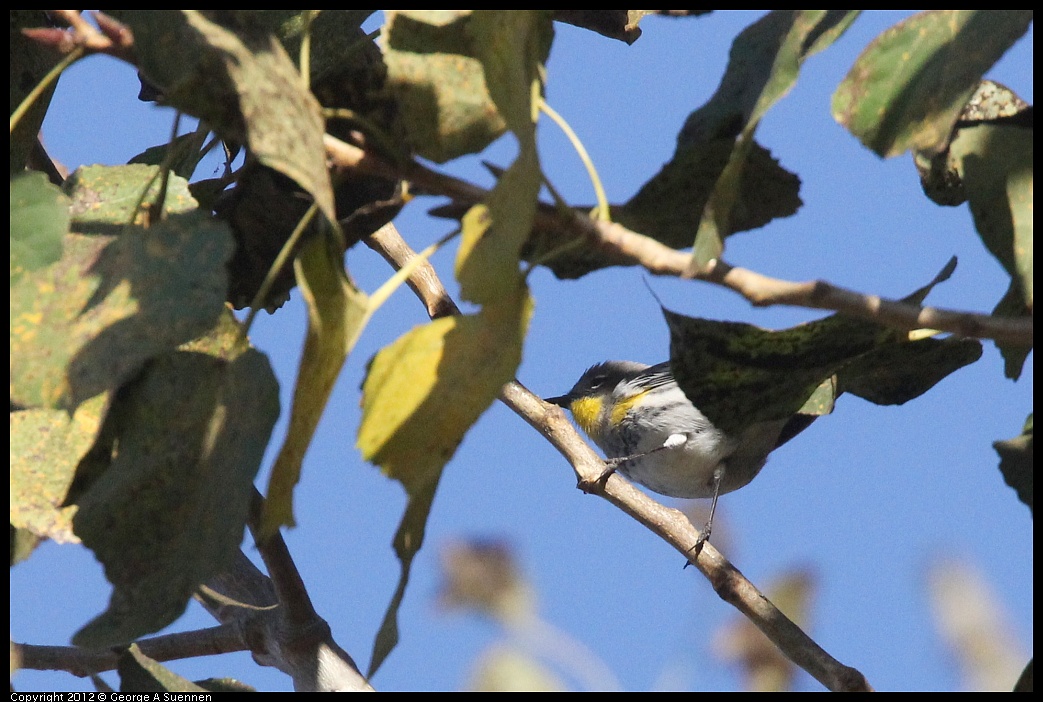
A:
{"x":898,"y":372}
{"x":421,"y":394}
{"x":182,"y":154}
{"x":763,"y":66}
{"x":39,"y":220}
{"x":239,"y":79}
{"x":908,"y":87}
{"x":46,"y":447}
{"x":139,"y":673}
{"x":333,"y":35}
{"x":941,"y":176}
{"x":512,"y":46}
{"x":1016,"y":462}
{"x":120,"y":294}
{"x":337,"y":313}
{"x":439,"y":84}
{"x":1012,"y":304}
{"x":670,"y":205}
{"x":169,"y":511}
{"x":714,"y":184}
{"x":739,"y":375}
{"x":995,"y":163}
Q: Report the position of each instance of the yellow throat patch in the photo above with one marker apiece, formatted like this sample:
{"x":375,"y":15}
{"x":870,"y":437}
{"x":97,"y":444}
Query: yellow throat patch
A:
{"x":585,"y":411}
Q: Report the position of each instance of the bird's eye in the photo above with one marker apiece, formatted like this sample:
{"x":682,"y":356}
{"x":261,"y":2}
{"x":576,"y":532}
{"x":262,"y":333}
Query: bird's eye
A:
{"x":597,"y":381}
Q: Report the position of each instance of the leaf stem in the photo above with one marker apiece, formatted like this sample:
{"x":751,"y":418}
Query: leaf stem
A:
{"x":44,"y":83}
{"x":599,"y":190}
{"x":277,"y":265}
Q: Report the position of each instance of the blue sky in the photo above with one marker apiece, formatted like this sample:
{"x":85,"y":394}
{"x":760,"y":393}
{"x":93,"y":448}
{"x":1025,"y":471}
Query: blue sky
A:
{"x":868,"y":500}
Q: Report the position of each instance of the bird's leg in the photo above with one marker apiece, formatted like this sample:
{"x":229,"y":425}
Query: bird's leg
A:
{"x":704,"y":534}
{"x":613,"y":464}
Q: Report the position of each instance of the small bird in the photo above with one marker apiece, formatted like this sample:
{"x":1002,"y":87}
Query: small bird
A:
{"x":652,"y":433}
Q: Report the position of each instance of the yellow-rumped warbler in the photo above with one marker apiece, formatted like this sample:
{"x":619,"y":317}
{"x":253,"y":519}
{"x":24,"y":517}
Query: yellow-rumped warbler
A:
{"x":651,"y":433}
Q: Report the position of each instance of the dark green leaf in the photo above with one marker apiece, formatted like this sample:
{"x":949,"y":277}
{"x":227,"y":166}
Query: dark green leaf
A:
{"x":738,"y":374}
{"x":181,"y":155}
{"x":997,"y":168}
{"x":669,"y":206}
{"x":238,"y":79}
{"x":763,"y":66}
{"x":1016,"y":462}
{"x":29,"y":62}
{"x":169,"y":511}
{"x":896,"y":373}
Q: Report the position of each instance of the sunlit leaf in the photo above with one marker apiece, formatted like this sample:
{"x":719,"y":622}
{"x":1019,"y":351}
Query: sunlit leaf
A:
{"x":421,"y":394}
{"x":512,"y":46}
{"x":439,"y":83}
{"x":46,"y":447}
{"x":908,"y":87}
{"x":119,"y":294}
{"x":494,"y":233}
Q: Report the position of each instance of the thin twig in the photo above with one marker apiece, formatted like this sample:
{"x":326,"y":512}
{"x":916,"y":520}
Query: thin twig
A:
{"x":669,"y":524}
{"x":636,"y":249}
{"x":114,"y":38}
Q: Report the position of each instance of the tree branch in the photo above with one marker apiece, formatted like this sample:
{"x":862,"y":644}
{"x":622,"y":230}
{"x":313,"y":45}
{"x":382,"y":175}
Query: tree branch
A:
{"x":669,"y":524}
{"x":82,"y":662}
{"x":277,"y":619}
{"x":636,"y":249}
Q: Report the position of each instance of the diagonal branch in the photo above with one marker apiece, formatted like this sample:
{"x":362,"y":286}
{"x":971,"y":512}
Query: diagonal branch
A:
{"x":669,"y":524}
{"x":636,"y":249}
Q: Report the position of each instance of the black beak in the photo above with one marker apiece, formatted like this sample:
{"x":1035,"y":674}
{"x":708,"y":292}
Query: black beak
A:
{"x":560,"y":401}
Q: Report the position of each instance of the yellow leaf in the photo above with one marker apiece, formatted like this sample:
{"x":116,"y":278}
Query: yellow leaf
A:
{"x":337,"y":313}
{"x":494,"y":232}
{"x":421,"y":395}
